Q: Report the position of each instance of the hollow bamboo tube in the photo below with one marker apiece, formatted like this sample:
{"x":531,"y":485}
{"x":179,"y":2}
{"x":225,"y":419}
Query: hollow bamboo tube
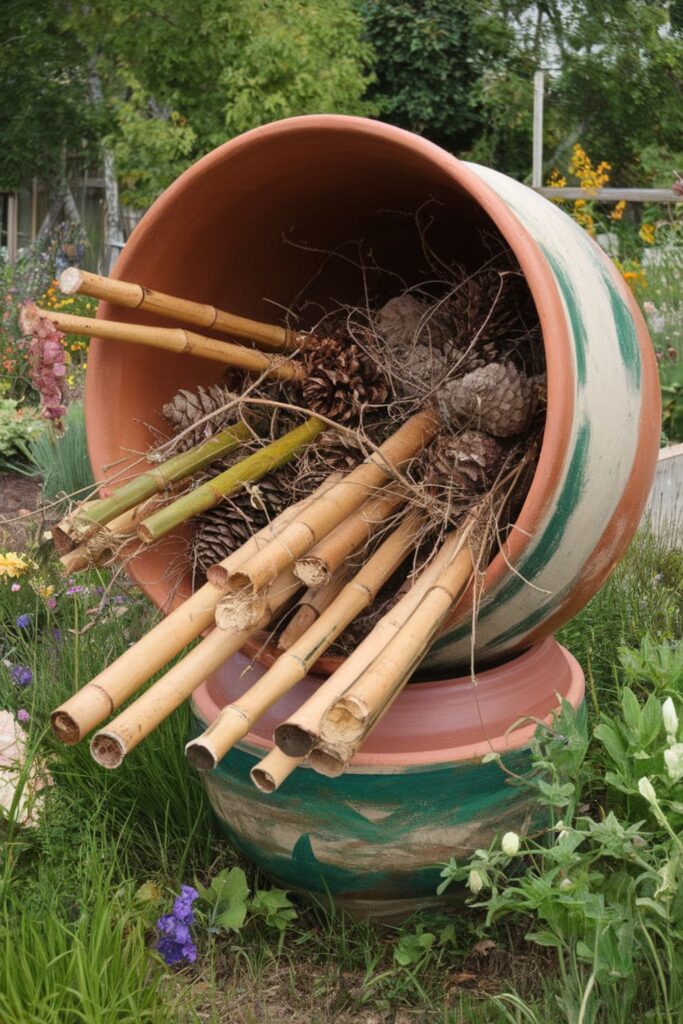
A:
{"x":350,"y":717}
{"x":266,"y":460}
{"x":177,"y":339}
{"x":301,"y":731}
{"x":103,"y":541}
{"x":136,"y":296}
{"x":236,"y":719}
{"x":272,"y":770}
{"x":311,"y":605}
{"x":110,"y":745}
{"x":85,"y":519}
{"x":117,"y":682}
{"x":316,"y":567}
{"x":332,"y":508}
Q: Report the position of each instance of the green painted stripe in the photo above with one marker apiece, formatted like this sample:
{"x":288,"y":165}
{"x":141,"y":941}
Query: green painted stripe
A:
{"x":627,"y":335}
{"x":573,"y":305}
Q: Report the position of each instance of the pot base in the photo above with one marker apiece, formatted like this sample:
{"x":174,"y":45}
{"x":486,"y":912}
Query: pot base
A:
{"x":415,"y":796}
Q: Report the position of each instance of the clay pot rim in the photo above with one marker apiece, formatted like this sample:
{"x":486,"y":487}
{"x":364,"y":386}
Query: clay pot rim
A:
{"x":535,"y":664}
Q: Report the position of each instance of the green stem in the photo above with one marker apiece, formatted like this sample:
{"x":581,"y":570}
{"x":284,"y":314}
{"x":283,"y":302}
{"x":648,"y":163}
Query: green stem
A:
{"x":209,"y":494}
{"x":154,"y":480}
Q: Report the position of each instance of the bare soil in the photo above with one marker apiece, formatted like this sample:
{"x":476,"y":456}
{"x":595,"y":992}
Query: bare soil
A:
{"x":20,"y":524}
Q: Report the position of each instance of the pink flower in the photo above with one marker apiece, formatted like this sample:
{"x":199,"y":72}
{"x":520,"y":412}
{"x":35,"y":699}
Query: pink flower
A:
{"x":15,"y":587}
{"x":47,"y":362}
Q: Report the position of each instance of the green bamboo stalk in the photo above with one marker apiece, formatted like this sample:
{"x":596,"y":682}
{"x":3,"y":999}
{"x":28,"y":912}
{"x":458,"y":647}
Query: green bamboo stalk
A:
{"x":177,"y":468}
{"x":209,"y":494}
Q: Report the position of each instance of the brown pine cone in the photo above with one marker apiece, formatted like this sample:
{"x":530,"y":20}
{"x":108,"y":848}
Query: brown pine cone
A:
{"x":497,"y":399}
{"x":340,"y":381}
{"x":470,"y":460}
{"x":187,"y":407}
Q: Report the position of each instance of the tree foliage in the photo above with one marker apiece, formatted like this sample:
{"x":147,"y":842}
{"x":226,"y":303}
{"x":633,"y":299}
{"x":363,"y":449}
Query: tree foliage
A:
{"x":44,"y":97}
{"x":430,"y":57}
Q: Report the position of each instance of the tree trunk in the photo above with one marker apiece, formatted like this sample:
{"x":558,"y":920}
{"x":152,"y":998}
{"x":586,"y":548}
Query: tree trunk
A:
{"x":113,"y":233}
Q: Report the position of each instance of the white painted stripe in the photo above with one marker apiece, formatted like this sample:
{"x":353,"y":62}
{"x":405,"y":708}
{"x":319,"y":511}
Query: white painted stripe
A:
{"x":608,"y":403}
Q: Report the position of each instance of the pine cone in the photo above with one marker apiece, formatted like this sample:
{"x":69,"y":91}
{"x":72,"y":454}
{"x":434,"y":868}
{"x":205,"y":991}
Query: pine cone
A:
{"x":186,"y":407}
{"x":399,"y":320}
{"x":497,"y":399}
{"x":422,"y":372}
{"x":469,"y":461}
{"x":340,"y":381}
{"x":225,"y":527}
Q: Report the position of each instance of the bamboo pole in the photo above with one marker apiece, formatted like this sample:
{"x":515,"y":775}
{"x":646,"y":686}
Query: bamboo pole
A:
{"x":173,"y":339}
{"x":298,"y":735}
{"x":253,"y":467}
{"x":346,"y":725}
{"x":236,"y":719}
{"x":136,"y":296}
{"x":311,"y":605}
{"x":321,"y":517}
{"x":272,"y":770}
{"x":117,"y":682}
{"x":315,"y":568}
{"x":110,"y":745}
{"x":76,"y":527}
{"x":355,"y":712}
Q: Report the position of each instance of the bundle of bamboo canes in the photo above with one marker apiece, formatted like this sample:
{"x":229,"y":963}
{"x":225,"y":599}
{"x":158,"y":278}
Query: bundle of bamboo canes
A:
{"x":343,"y":538}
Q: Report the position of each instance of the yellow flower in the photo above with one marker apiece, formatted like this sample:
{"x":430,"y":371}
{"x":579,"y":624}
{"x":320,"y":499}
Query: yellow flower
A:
{"x":647,"y":233}
{"x":618,"y":211}
{"x":12,"y":564}
{"x":44,"y":590}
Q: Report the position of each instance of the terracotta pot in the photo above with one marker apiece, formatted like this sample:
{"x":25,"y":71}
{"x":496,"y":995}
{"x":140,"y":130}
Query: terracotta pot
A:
{"x":224,"y":233}
{"x":415,"y":795}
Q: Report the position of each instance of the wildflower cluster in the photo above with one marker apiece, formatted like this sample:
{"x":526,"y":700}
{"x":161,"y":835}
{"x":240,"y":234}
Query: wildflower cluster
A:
{"x":175,"y":943}
{"x":47,"y":362}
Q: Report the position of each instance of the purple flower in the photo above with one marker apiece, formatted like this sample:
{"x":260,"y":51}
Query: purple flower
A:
{"x":23,"y":716}
{"x":175,"y":943}
{"x":21,"y":675}
{"x":23,"y":621}
{"x":51,"y":603}
{"x":57,"y":633}
{"x":75,"y":590}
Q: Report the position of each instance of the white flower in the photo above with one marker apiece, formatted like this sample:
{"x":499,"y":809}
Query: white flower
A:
{"x":670,"y":719}
{"x":563,"y":835}
{"x":475,"y":881}
{"x":566,"y":883}
{"x":646,"y":789}
{"x":673,"y":758}
{"x":510,"y":843}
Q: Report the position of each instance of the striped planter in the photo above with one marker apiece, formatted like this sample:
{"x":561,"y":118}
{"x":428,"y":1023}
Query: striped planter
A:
{"x":415,"y":795}
{"x":219,"y":234}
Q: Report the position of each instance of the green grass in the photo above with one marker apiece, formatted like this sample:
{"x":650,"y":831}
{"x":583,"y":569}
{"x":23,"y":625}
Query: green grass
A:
{"x":79,"y":895}
{"x":62,"y":460}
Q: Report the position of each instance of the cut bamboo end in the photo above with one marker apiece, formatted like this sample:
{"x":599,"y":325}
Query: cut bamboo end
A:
{"x":135,"y":296}
{"x":269,"y":774}
{"x":74,"y":561}
{"x":65,"y":729}
{"x":295,"y":740}
{"x":312,"y":571}
{"x":344,"y":720}
{"x":108,"y":750}
{"x":235,"y":613}
{"x":328,"y":760}
{"x":200,"y":757}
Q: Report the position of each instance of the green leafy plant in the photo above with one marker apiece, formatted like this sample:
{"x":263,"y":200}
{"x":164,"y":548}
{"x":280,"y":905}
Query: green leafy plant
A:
{"x":20,"y":426}
{"x":62,"y":460}
{"x":226,"y":904}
